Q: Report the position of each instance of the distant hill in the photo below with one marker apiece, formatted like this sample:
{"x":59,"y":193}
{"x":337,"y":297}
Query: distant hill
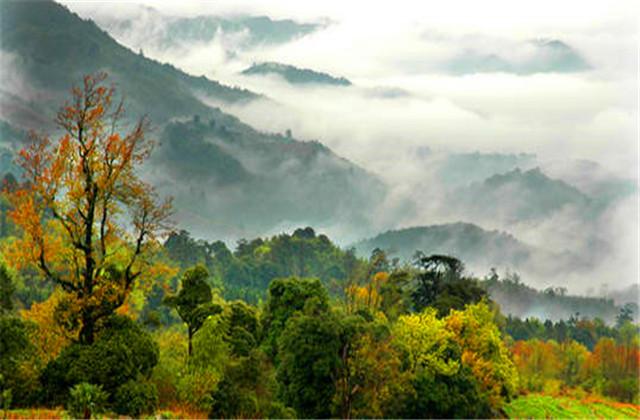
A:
{"x":480,"y":249}
{"x":227,"y":178}
{"x":540,"y":56}
{"x":465,"y":241}
{"x":518,"y":196}
{"x":461,"y":169}
{"x":518,"y":299}
{"x":593,"y":179}
{"x":295,"y":75}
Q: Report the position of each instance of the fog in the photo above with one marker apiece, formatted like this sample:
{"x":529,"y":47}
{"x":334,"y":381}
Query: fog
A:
{"x":420,"y":93}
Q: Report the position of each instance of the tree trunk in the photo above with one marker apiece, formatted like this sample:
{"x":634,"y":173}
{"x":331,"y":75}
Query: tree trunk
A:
{"x":190,"y":345}
{"x":87,"y":332}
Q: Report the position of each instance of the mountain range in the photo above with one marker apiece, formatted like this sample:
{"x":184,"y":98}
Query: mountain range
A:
{"x":147,"y":26}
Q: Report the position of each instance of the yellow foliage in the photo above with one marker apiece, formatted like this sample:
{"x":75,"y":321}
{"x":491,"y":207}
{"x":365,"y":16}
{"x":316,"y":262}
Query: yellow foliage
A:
{"x":483,"y":351}
{"x":49,"y":337}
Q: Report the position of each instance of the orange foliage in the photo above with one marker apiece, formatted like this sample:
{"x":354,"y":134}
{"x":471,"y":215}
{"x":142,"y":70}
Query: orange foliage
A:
{"x":613,"y":360}
{"x":88,"y":222}
{"x":35,"y":413}
{"x":368,"y":295}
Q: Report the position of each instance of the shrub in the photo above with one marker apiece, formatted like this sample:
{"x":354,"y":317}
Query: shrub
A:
{"x":135,"y":398}
{"x":171,"y":365}
{"x":122,"y":352}
{"x":18,"y":361}
{"x":277,"y":410}
{"x":86,"y":400}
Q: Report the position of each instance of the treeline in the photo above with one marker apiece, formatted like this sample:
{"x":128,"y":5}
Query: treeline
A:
{"x":610,"y":369}
{"x":246,"y":272}
{"x":553,"y":303}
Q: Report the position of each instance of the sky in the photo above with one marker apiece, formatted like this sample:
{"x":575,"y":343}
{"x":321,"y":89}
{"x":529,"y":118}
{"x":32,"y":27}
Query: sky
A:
{"x":410,"y":103}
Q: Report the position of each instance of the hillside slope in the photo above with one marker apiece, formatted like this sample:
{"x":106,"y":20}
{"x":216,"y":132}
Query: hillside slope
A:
{"x":465,"y":241}
{"x":53,"y":48}
{"x":517,"y":196}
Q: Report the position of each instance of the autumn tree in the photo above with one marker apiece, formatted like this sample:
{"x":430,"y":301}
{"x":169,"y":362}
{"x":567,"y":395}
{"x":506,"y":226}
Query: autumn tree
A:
{"x":89,"y":223}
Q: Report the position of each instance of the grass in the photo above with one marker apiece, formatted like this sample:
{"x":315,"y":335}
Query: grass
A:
{"x":32,"y":413}
{"x":540,"y":406}
{"x":532,"y":406}
{"x":59,"y":413}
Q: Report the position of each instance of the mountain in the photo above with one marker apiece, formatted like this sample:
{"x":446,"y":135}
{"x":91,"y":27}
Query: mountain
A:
{"x":295,"y":75}
{"x":465,"y":241}
{"x":590,"y":177}
{"x":145,"y":26}
{"x":227,"y":178}
{"x":461,"y":169}
{"x":231,"y":180}
{"x":518,"y":196}
{"x":480,"y":250}
{"x":52,"y":48}
{"x":537,"y":56}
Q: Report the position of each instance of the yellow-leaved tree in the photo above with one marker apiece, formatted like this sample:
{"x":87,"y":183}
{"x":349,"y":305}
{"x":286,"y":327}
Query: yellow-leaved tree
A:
{"x":88,"y":222}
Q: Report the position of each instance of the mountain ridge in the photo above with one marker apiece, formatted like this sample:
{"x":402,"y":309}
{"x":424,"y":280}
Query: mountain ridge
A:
{"x":295,"y":75}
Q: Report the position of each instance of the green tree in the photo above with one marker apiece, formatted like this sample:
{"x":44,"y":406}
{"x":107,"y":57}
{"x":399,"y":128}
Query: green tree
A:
{"x":309,"y":360}
{"x":122,"y":351}
{"x":243,"y":328}
{"x":205,"y":367}
{"x":484,"y":352}
{"x":16,"y":352}
{"x":7,"y":289}
{"x":285,"y":298}
{"x":370,"y":379}
{"x":625,"y":315}
{"x":193,"y":301}
{"x":86,"y":400}
{"x":247,"y":390}
{"x":440,"y":283}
